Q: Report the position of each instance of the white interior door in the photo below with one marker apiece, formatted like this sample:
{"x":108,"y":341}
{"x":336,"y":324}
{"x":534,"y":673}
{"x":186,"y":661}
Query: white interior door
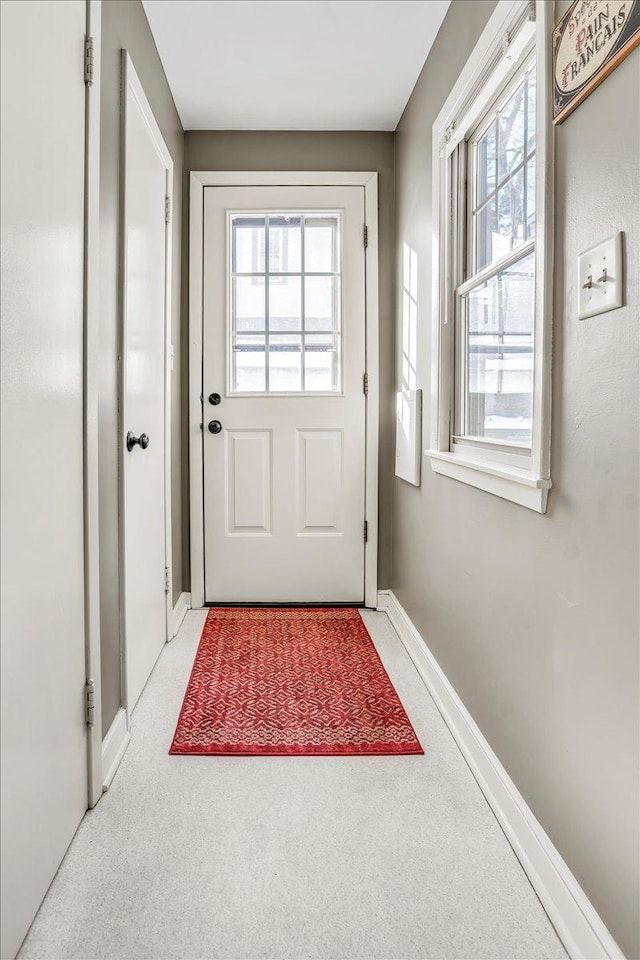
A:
{"x":283,"y":406}
{"x":147,"y":177}
{"x":44,"y":736}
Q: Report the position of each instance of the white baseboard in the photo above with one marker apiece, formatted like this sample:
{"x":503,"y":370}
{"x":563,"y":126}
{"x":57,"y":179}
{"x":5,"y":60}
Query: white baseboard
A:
{"x":581,"y":930}
{"x":183,"y":603}
{"x":114,"y":747}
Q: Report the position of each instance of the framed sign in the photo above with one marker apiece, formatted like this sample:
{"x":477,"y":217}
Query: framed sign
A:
{"x":589,"y":41}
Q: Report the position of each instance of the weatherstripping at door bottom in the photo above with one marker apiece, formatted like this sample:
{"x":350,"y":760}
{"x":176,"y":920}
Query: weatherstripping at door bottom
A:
{"x":356,"y":605}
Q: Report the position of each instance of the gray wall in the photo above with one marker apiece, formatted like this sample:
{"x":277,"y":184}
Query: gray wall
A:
{"x":284,"y":150}
{"x":124,"y":25}
{"x":535,"y":618}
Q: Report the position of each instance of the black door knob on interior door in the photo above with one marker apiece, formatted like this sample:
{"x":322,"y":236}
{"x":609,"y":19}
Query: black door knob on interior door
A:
{"x":214,"y":426}
{"x":214,"y":399}
{"x":132,"y":440}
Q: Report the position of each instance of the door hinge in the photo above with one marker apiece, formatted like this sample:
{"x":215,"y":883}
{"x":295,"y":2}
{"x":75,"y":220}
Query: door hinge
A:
{"x":89,"y":703}
{"x":167,"y":580}
{"x":167,"y":209}
{"x":366,"y":530}
{"x":89,"y":57}
{"x":365,"y":235}
{"x":365,"y":384}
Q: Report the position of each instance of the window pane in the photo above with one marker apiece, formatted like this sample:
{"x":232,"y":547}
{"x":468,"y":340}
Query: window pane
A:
{"x":285,"y":244}
{"x":248,"y":364}
{"x":248,"y":304}
{"x":285,"y":303}
{"x":511,"y":134}
{"x":510,"y":216}
{"x":486,"y":162}
{"x":499,"y":356}
{"x":321,"y":363}
{"x":320,"y":303}
{"x":248,"y":245}
{"x":321,"y":244}
{"x":285,"y":363}
{"x":486,"y":232}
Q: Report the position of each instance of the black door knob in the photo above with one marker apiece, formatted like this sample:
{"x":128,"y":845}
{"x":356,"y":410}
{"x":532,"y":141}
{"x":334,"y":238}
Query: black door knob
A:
{"x":214,"y":399}
{"x":132,"y":440}
{"x":214,"y":426}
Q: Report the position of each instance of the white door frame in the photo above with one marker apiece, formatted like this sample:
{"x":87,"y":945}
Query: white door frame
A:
{"x":90,"y":413}
{"x":131,"y":84}
{"x":199,"y":180}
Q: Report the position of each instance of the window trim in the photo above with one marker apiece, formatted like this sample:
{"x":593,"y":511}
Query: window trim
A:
{"x":507,"y":41}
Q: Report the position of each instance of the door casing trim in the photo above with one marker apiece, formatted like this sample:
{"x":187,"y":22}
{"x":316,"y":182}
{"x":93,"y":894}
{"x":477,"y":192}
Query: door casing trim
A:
{"x":199,"y":179}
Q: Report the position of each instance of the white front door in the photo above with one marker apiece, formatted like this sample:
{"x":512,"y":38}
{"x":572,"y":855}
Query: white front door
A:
{"x":283,"y":403}
{"x":148,"y":171}
{"x":44,"y":734}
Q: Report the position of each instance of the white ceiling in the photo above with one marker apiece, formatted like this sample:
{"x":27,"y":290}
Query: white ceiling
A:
{"x":293,"y":64}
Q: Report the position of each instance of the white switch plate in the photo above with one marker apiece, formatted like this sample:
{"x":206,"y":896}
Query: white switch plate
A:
{"x":600,"y":278}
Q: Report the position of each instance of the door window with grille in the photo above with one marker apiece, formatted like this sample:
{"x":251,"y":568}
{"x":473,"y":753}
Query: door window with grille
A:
{"x":285,"y":303}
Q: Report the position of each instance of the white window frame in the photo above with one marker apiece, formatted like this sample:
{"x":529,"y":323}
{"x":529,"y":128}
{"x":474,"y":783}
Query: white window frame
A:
{"x":515,"y":30}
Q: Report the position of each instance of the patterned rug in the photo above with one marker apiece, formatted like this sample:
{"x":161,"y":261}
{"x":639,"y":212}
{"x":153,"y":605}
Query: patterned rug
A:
{"x":290,"y":682}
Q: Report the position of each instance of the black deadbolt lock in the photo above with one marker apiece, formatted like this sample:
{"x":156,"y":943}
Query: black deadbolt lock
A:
{"x":214,"y":426}
{"x":214,"y":399}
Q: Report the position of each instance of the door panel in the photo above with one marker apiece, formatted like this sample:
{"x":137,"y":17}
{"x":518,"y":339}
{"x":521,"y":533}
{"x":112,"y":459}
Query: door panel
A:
{"x":320,"y":490}
{"x":143,"y":409}
{"x":248,"y":491}
{"x":44,"y":740}
{"x":284,"y":346}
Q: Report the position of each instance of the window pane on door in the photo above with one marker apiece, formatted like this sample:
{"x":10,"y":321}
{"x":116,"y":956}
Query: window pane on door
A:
{"x":248,"y":246}
{"x":285,"y":363}
{"x":320,"y":303}
{"x":248,"y":304}
{"x":285,"y":304}
{"x":499,"y":349}
{"x":248,"y":367}
{"x":285,"y":244}
{"x":320,"y":362}
{"x":321,"y":239}
{"x":285,"y":289}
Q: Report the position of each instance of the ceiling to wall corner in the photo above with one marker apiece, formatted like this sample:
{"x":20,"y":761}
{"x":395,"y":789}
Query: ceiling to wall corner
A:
{"x":293,"y":64}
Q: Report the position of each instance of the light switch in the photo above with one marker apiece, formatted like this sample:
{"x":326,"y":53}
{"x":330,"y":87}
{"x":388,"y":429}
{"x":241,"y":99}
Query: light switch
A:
{"x":600,"y":278}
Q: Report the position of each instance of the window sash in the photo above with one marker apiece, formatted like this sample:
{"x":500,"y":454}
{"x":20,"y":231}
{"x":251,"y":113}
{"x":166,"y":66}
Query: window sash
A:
{"x":489,"y":116}
{"x":461,"y":384}
{"x":461,"y":359}
{"x":464,"y":177}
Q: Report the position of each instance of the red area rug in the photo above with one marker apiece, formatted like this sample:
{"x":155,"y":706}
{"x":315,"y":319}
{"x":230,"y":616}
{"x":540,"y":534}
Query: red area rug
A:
{"x":290,"y":682}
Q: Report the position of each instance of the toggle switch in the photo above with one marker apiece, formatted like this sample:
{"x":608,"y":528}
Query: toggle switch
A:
{"x":600,"y":278}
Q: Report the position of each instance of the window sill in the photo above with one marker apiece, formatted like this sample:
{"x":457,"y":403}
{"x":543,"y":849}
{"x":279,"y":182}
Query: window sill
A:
{"x":510,"y":484}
